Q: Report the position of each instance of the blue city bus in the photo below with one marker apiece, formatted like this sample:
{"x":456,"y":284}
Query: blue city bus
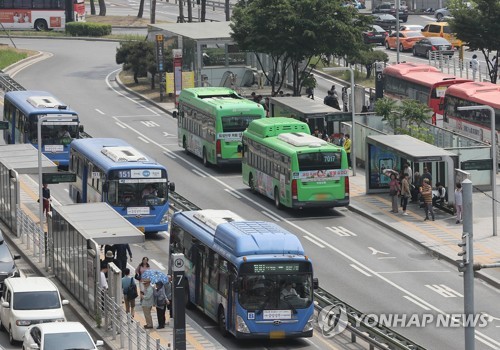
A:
{"x":237,"y":272}
{"x":22,"y":109}
{"x":112,"y":171}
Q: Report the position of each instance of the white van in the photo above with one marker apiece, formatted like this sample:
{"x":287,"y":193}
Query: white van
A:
{"x":26,"y":301}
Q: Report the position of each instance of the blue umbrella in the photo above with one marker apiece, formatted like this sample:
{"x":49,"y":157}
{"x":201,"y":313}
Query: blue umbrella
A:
{"x":155,"y":276}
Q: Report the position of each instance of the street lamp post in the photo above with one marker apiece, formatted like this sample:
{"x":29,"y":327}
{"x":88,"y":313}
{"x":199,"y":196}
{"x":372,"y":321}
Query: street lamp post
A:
{"x":493,"y":157}
{"x":397,"y":31}
{"x":353,"y":152}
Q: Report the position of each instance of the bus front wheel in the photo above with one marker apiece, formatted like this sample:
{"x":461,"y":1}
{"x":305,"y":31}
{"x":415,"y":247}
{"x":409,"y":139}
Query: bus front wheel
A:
{"x":277,"y":202}
{"x":222,"y":322}
{"x":41,"y":25}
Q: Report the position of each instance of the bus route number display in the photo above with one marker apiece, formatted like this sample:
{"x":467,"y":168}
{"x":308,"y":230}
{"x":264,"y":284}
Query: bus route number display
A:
{"x":139,"y":173}
{"x":275,"y":268}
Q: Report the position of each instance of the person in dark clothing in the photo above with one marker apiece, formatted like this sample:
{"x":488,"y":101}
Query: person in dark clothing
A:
{"x":46,"y":199}
{"x":121,"y":255}
{"x":328,"y":100}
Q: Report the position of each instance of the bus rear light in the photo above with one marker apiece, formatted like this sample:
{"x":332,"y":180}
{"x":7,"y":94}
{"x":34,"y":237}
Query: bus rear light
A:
{"x":433,"y":48}
{"x":346,"y":182}
{"x":218,"y":148}
{"x":294,"y":189}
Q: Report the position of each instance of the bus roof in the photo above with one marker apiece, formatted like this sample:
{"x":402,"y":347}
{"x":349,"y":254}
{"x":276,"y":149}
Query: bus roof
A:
{"x":422,"y":74}
{"x":218,"y":98}
{"x":109,"y":153}
{"x":37,"y":102}
{"x":274,"y":126}
{"x":482,"y":93}
{"x":233,"y":237}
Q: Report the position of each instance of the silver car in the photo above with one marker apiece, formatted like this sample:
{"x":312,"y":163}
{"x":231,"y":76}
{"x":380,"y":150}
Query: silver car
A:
{"x":442,"y":14}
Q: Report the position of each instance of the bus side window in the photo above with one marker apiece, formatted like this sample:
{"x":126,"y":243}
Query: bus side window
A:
{"x":223,"y":276}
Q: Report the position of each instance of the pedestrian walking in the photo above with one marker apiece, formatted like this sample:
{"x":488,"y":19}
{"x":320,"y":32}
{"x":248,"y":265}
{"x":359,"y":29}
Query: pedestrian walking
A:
{"x":121,"y":251}
{"x":347,"y":147}
{"x":103,"y":282}
{"x":160,"y":299}
{"x":474,"y":65}
{"x":328,"y":100}
{"x":458,"y":202}
{"x":46,"y":199}
{"x":426,"y":192}
{"x":405,"y":192}
{"x":147,"y":302}
{"x":128,"y":284}
{"x":394,"y":190}
{"x":143,"y":266}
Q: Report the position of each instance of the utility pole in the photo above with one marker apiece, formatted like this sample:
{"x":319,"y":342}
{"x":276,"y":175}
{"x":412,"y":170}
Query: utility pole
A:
{"x":227,"y":10}
{"x":467,"y":264}
{"x":181,"y":12}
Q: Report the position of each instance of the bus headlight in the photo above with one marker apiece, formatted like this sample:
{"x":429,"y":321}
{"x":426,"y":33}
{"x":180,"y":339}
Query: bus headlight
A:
{"x":241,"y":326}
{"x":309,"y":325}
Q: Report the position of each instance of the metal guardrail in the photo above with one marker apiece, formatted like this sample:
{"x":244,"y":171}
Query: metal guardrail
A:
{"x":376,"y":335}
{"x":9,"y":84}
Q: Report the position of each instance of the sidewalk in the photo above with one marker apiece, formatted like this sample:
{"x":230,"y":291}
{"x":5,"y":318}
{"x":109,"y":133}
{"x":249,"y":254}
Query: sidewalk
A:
{"x":440,"y":237}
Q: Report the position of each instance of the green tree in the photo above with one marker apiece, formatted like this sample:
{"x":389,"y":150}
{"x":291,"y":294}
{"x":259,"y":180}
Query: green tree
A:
{"x":295,"y":33}
{"x":367,"y":57}
{"x":478,"y":26}
{"x":385,"y":108}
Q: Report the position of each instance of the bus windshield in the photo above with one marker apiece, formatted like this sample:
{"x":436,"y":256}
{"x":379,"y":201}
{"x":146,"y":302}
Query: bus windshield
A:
{"x":55,"y":134}
{"x":137,"y":192}
{"x":237,"y":123}
{"x":319,"y":161}
{"x":275,"y":291}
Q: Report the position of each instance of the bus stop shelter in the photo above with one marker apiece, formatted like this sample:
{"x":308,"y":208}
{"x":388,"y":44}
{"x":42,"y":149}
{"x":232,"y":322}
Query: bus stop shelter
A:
{"x":76,"y":233}
{"x":388,"y":151}
{"x":17,"y":160}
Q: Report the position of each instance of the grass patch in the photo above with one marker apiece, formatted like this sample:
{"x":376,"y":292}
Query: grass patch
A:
{"x":359,"y":76}
{"x":9,"y":55}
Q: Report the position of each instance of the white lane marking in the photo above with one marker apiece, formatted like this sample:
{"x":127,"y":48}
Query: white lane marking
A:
{"x":67,"y":190}
{"x":199,"y":173}
{"x":417,"y":271}
{"x":150,"y":123}
{"x":356,"y":267}
{"x":166,"y":134}
{"x":159,"y":264}
{"x":297,"y":227}
{"x":270,"y":215}
{"x":386,"y":257}
{"x":341,"y":231}
{"x":375,"y":251}
{"x":169,"y":155}
{"x":99,"y":111}
{"x":120,"y":125}
{"x":430,"y":18}
{"x":416,"y":303}
{"x":232,"y":193}
{"x":313,"y":241}
{"x":143,"y":139}
{"x":444,"y":290}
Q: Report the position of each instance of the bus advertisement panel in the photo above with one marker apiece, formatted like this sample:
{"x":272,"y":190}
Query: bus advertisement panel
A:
{"x":283,"y":161}
{"x":22,"y":110}
{"x":211,"y":121}
{"x":474,"y":124}
{"x":112,"y":171}
{"x":251,"y":277}
{"x":420,"y":82}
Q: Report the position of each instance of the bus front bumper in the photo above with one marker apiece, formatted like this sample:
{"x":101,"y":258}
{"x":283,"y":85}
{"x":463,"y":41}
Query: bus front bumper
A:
{"x":274,"y":335}
{"x":321,"y":204}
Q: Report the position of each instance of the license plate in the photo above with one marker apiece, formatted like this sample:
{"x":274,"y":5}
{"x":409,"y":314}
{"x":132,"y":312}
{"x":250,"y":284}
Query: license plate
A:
{"x":277,"y":335}
{"x":321,"y":196}
{"x":442,"y":48}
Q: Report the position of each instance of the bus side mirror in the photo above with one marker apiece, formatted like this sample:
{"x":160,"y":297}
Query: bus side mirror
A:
{"x":171,"y":187}
{"x":315,"y":283}
{"x":105,"y":187}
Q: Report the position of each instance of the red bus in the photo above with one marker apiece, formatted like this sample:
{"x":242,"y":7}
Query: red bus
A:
{"x":475,"y":124}
{"x":419,"y":82}
{"x":40,"y":14}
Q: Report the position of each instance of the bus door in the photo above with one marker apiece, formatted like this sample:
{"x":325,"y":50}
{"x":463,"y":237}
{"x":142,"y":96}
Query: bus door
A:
{"x":85,"y":174}
{"x":199,"y":257}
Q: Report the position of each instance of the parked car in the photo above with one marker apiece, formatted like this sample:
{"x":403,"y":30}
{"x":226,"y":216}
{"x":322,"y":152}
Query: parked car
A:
{"x":376,"y":35}
{"x":441,"y":29}
{"x":59,"y":336}
{"x":27,"y":301}
{"x":390,"y":8}
{"x":385,"y":21}
{"x":406,"y":40}
{"x":7,"y":262}
{"x":440,"y":14}
{"x":426,"y":45}
{"x":411,"y":27}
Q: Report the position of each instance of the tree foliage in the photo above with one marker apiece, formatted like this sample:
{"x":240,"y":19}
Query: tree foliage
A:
{"x":478,"y":26}
{"x":367,"y":57}
{"x":295,"y":32}
{"x":139,"y":57}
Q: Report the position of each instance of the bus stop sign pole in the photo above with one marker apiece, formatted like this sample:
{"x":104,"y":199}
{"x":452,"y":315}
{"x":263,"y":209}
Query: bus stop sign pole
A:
{"x":179,"y":307}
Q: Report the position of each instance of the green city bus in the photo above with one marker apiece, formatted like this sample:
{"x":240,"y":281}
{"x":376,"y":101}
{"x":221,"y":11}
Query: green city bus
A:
{"x":211,"y":121}
{"x":283,"y":161}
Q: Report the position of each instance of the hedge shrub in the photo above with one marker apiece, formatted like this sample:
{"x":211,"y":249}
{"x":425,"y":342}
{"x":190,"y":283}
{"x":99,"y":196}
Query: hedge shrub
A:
{"x":87,"y":29}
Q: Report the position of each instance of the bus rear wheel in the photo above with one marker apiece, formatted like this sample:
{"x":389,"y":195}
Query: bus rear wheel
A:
{"x":41,"y":25}
{"x":222,"y":322}
{"x":277,"y":202}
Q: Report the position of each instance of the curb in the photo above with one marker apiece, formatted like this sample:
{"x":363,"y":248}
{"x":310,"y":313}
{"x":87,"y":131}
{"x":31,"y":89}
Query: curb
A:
{"x":477,"y":274}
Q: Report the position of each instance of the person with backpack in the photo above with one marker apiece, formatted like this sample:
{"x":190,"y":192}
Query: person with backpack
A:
{"x":160,"y":303}
{"x":129,"y":292}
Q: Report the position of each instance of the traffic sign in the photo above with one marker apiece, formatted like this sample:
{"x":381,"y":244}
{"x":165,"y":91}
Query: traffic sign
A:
{"x":477,"y":164}
{"x":55,"y":178}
